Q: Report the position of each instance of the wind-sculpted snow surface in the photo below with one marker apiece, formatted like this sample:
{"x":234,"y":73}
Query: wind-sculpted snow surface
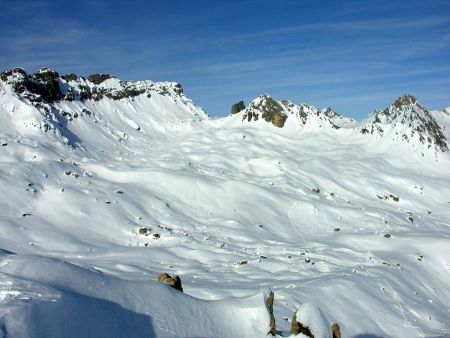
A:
{"x":49,"y":298}
{"x":356,"y":224}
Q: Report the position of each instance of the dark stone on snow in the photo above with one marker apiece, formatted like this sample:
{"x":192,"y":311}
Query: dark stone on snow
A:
{"x":237,"y":107}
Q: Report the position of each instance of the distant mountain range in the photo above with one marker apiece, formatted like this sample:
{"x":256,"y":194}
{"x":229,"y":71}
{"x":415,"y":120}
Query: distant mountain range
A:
{"x":59,"y":100}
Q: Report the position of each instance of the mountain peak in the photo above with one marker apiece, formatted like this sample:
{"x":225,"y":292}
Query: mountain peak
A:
{"x":406,"y":119}
{"x":405,"y":100}
{"x":269,"y":109}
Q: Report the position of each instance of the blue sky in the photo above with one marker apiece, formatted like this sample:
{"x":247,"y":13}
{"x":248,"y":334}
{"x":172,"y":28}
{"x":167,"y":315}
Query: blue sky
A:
{"x":353,"y":56}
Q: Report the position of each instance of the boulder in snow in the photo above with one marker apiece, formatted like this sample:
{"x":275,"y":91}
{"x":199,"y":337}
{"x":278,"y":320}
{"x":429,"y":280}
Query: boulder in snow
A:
{"x":173,"y":281}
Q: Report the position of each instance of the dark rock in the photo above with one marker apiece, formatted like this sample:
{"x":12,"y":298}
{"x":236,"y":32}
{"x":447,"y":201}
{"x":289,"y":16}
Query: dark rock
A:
{"x":173,"y":281}
{"x":387,"y":236}
{"x":69,"y":95}
{"x":99,"y":78}
{"x":237,"y":107}
{"x":144,"y":231}
{"x":178,"y":89}
{"x":125,"y":93}
{"x":38,"y":87}
{"x":70,"y":77}
{"x":46,"y":84}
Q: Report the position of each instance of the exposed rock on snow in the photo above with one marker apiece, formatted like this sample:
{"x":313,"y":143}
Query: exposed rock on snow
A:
{"x":269,"y":109}
{"x":43,"y":84}
{"x":309,"y":321}
{"x":173,"y":281}
{"x":237,"y":107}
{"x":269,"y":305}
{"x":336,"y":329}
{"x":99,"y":78}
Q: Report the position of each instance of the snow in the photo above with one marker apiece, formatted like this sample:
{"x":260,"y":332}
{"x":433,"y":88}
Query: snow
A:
{"x":55,"y":298}
{"x":234,"y":207}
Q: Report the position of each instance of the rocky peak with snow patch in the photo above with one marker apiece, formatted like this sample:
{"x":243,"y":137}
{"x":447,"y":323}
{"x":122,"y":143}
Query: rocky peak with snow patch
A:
{"x":278,"y":112}
{"x":268,"y":109}
{"x":407,"y":120}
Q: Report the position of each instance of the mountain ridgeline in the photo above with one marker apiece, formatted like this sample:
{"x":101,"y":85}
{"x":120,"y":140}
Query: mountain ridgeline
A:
{"x":157,"y":106}
{"x":406,"y":120}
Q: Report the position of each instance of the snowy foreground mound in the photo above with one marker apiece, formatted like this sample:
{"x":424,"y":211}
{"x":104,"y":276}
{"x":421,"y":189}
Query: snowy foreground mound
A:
{"x":105,"y":184}
{"x":44,"y":297}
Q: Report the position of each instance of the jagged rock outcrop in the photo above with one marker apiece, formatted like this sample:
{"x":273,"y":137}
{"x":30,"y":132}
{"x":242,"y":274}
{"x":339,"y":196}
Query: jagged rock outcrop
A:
{"x":278,"y":112}
{"x":406,"y":120}
{"x":173,"y":281}
{"x":268,"y":109}
{"x":44,"y":84}
{"x":237,"y":107}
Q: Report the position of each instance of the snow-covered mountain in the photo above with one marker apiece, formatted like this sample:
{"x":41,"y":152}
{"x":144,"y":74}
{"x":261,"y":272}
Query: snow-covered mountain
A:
{"x":407,"y":120}
{"x":98,"y":111}
{"x":281,"y":112}
{"x":108,"y":183}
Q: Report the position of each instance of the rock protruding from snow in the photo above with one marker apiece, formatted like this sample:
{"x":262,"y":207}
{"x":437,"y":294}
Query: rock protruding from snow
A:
{"x":269,"y":305}
{"x":336,"y":330}
{"x":309,"y":321}
{"x":173,"y":281}
{"x":50,"y":87}
{"x":44,"y":84}
{"x":406,"y":120}
{"x":237,"y":107}
{"x":277,"y":112}
{"x":99,"y":78}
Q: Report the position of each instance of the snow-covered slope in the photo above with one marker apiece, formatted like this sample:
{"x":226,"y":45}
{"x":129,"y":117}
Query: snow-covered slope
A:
{"x":96,"y":206}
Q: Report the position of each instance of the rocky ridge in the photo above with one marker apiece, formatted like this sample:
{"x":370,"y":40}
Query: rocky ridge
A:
{"x":405,"y":120}
{"x":61,"y":99}
{"x":46,"y":85}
